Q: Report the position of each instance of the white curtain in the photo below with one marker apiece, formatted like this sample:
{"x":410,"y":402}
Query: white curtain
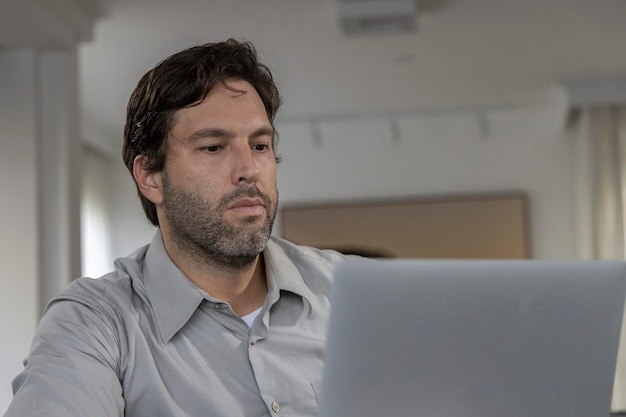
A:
{"x":607,"y":129}
{"x":602,"y":182}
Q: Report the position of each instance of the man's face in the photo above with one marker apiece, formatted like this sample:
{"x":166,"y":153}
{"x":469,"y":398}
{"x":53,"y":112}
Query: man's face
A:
{"x":219,"y":180}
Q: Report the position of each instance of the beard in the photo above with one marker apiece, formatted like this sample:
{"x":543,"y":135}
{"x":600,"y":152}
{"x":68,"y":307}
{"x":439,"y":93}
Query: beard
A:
{"x":199,"y":227}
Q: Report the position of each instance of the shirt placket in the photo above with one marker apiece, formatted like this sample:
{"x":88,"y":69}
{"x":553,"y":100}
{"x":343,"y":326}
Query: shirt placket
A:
{"x":256,"y":346}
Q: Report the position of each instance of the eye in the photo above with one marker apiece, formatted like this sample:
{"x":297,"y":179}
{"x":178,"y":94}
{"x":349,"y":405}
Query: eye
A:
{"x":212,"y":148}
{"x":260,"y":147}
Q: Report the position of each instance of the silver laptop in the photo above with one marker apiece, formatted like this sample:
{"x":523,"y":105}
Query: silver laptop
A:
{"x":473,"y":338}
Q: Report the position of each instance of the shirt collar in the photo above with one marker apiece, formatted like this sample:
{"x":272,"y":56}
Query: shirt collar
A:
{"x":283,"y":274}
{"x":174,"y":298}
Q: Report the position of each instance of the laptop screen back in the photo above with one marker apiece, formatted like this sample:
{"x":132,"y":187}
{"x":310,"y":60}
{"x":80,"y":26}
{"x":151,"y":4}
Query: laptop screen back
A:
{"x":473,"y":338}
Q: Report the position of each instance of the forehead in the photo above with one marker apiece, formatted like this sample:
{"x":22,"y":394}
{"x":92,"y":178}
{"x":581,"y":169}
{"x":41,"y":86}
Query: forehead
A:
{"x":238,"y":101}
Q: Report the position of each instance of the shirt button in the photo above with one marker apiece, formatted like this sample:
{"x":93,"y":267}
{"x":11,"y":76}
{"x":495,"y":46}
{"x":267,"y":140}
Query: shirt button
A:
{"x":275,"y":407}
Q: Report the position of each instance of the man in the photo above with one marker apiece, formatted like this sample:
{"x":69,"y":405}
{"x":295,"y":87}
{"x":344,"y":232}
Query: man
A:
{"x":214,"y":317}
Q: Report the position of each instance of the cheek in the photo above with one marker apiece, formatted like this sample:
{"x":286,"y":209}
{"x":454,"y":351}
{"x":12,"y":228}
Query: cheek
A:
{"x":270,"y":180}
{"x":271,"y":171}
{"x":203,"y":186}
{"x":204,"y":176}
{"x":198,"y":183}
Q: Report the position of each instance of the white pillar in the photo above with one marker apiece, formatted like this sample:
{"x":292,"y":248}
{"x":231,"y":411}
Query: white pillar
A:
{"x":19,"y":237}
{"x":39,"y":164}
{"x":39,"y":194}
{"x":59,"y":171}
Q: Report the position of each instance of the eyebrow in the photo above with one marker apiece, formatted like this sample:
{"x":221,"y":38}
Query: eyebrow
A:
{"x":222,"y":133}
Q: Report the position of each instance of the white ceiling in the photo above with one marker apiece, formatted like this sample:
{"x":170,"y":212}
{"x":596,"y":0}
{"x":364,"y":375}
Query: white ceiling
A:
{"x":464,"y":53}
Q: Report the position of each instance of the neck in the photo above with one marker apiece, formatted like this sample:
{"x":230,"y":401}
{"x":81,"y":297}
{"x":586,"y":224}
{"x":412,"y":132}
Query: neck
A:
{"x":242,"y":285}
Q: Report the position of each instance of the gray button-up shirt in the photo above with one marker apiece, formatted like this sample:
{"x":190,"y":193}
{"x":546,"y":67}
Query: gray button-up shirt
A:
{"x":144,"y":341}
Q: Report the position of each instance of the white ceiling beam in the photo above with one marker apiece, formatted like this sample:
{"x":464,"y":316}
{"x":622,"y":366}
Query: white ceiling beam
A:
{"x":47,"y":24}
{"x":591,"y":92}
{"x":367,"y":17}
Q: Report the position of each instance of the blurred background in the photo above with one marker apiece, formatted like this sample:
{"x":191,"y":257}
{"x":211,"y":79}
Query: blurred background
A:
{"x":385,"y":102}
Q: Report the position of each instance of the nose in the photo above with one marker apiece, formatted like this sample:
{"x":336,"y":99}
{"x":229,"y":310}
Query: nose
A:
{"x":245,"y":168}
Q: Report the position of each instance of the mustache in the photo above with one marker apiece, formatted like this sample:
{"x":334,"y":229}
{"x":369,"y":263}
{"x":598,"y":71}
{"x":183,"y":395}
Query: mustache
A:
{"x":248,"y":191}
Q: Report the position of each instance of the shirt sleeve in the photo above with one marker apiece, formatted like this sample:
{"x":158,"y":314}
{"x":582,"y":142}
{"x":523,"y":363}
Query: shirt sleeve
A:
{"x":72,"y":369}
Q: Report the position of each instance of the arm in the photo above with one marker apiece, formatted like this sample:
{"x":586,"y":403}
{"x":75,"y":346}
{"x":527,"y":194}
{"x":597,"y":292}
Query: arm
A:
{"x":72,"y":367}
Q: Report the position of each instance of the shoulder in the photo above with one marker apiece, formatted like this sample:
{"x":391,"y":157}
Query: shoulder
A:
{"x":301,"y":253}
{"x":110,"y":287}
{"x":106,"y":297}
{"x":316,"y":267}
{"x":111,"y":293}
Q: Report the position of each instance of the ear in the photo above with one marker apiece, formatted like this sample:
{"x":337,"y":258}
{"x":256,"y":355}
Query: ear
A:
{"x":150,"y":182}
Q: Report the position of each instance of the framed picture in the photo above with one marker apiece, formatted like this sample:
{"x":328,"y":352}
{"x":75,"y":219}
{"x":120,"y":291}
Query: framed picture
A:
{"x":487,"y":226}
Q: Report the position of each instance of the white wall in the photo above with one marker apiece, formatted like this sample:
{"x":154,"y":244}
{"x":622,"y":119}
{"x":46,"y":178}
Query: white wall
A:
{"x":130,"y":229}
{"x":516,"y":150}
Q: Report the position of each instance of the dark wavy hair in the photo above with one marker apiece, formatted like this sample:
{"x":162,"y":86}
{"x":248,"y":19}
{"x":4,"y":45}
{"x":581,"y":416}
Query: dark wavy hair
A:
{"x":183,"y":80}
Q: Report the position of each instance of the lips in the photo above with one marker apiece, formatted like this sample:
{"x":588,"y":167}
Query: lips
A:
{"x":248,"y":207}
{"x":247,"y":202}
